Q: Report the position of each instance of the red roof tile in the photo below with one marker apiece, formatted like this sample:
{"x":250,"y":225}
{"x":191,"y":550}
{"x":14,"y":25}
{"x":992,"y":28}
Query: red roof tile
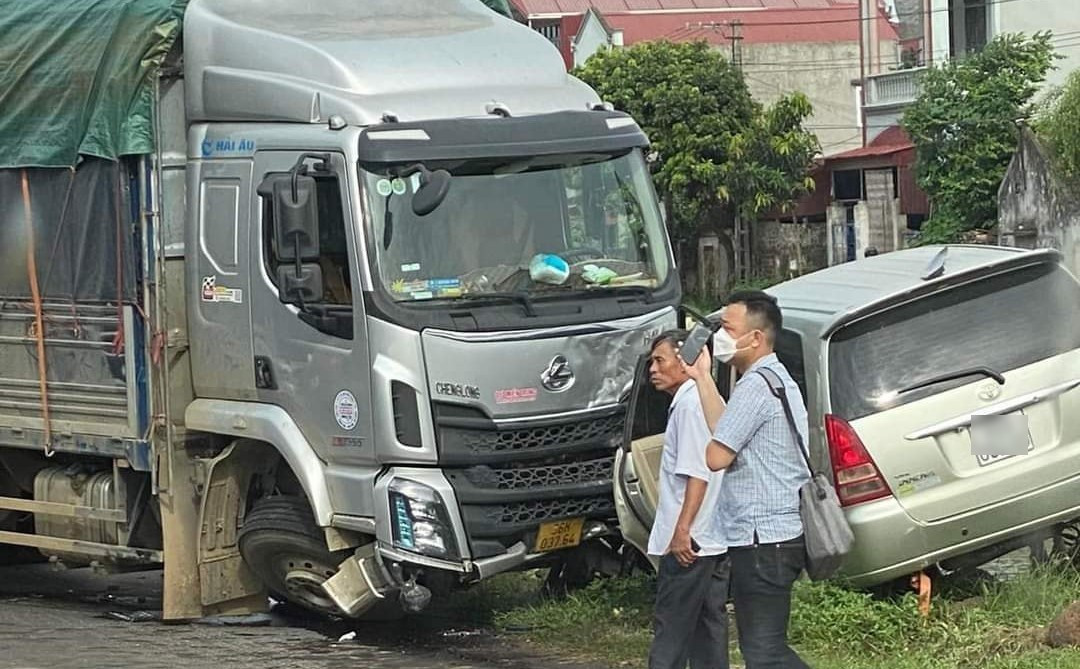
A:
{"x":763,"y":21}
{"x":892,"y":140}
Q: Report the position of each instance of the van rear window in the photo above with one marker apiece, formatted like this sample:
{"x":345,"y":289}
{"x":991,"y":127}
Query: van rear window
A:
{"x":1003,"y":322}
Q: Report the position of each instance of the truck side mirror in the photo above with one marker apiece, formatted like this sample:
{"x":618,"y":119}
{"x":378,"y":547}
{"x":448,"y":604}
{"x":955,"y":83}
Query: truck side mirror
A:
{"x":432,"y":191}
{"x":303,"y":287}
{"x":295,"y":202}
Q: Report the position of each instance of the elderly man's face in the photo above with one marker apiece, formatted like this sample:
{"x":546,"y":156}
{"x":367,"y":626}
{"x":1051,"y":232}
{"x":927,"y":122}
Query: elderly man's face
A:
{"x":665,"y":369}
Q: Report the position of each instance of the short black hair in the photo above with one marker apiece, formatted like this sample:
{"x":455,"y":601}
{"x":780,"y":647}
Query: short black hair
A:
{"x":675,"y":337}
{"x":763,"y":308}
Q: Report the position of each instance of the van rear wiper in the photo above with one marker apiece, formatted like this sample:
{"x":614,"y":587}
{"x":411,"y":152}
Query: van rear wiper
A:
{"x":952,"y":376}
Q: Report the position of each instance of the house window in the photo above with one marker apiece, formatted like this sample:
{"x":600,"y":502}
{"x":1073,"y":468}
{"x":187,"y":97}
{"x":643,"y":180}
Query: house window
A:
{"x":969,"y":26}
{"x":847,"y":185}
{"x":549,"y":30}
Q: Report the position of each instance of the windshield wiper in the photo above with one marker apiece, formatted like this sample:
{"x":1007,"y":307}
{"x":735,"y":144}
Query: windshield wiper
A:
{"x":952,"y":376}
{"x":605,"y":291}
{"x":521,"y":297}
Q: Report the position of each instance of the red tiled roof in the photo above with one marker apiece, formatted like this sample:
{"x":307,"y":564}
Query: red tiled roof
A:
{"x":891,"y":140}
{"x":838,"y":23}
{"x":534,"y":7}
{"x":763,"y":21}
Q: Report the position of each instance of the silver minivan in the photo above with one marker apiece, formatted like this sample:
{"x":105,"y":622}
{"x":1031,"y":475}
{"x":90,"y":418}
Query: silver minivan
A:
{"x":895,"y":354}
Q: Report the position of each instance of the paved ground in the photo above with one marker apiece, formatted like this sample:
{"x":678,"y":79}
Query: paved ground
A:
{"x":69,"y":620}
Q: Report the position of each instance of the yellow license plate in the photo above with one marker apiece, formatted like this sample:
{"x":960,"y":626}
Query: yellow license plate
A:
{"x":559,"y":534}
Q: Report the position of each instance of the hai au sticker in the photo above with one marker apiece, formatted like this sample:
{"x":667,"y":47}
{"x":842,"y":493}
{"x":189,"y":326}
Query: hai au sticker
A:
{"x":212,"y":292}
{"x":346,"y":412}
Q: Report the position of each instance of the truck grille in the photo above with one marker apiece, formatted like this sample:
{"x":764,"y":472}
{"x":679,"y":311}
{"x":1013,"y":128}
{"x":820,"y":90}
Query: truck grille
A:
{"x":459,"y":445}
{"x":544,"y":476}
{"x":501,"y":519}
{"x":509,"y":478}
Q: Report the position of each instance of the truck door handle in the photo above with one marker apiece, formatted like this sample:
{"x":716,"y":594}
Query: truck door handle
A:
{"x":264,"y":373}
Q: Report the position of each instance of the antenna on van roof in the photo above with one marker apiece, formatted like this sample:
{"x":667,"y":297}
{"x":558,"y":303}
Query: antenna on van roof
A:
{"x":937,"y":266}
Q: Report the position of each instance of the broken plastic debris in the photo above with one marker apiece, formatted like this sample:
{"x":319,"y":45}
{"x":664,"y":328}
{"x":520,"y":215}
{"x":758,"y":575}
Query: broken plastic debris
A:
{"x":133,"y":616}
{"x":348,"y":636}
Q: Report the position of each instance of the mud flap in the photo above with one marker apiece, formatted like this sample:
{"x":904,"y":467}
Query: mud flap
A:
{"x":204,"y":572}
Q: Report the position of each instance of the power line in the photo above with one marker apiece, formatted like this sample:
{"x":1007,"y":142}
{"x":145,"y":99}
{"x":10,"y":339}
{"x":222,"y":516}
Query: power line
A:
{"x":861,"y":19}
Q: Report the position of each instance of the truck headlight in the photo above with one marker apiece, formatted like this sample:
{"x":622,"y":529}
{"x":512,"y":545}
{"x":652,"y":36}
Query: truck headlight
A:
{"x":421,"y":523}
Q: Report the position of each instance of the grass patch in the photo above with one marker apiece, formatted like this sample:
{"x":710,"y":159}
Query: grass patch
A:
{"x":1000,"y":628}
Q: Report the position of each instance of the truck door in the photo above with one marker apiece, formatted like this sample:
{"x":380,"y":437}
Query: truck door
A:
{"x":220,"y":311}
{"x":316,"y":370}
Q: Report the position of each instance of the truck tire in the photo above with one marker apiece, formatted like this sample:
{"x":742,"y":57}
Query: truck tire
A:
{"x":281,"y":543}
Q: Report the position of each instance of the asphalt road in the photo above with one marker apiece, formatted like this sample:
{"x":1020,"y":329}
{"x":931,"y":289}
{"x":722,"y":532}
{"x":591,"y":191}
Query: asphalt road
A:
{"x":77,"y":619}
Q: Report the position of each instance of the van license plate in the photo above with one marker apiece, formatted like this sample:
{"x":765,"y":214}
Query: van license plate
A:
{"x":559,"y":534}
{"x":997,"y":438}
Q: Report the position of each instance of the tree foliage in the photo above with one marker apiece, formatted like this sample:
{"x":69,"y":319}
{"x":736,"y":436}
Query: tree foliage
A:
{"x":964,"y":128}
{"x":1059,"y":127}
{"x":716,"y":151}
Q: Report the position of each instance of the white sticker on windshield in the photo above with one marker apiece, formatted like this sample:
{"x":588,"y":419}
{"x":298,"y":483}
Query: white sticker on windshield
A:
{"x":383,"y":187}
{"x":415,"y":181}
{"x":423,"y":295}
{"x":399,"y":186}
{"x":411,"y":267}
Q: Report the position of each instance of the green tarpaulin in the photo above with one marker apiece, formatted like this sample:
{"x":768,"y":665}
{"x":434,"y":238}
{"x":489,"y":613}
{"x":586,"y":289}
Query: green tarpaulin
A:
{"x":501,"y":6}
{"x":76,"y":77}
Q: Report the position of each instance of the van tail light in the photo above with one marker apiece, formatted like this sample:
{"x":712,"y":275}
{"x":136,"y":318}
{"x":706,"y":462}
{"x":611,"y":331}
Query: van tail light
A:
{"x":855,"y":475}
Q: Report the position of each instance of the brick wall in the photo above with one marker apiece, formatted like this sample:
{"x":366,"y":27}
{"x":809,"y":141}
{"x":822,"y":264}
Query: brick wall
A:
{"x":783,"y":249}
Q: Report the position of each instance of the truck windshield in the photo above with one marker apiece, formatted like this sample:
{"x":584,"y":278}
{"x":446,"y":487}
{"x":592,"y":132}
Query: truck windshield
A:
{"x":598,"y":213}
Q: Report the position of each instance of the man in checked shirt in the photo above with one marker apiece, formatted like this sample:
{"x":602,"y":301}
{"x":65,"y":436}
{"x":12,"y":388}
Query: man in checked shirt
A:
{"x":758,"y":505}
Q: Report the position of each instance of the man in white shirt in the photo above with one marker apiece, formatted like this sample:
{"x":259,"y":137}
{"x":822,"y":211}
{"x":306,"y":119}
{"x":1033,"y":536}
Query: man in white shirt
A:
{"x":690,"y":617}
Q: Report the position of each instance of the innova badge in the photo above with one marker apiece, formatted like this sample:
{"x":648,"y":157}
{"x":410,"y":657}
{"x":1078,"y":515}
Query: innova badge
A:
{"x":558,"y":376}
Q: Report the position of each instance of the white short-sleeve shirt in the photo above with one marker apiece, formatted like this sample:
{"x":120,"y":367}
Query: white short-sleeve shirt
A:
{"x":683,"y":456}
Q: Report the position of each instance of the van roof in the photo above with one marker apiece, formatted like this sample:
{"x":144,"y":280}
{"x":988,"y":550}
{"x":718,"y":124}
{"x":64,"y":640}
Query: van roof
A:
{"x":832,"y":297}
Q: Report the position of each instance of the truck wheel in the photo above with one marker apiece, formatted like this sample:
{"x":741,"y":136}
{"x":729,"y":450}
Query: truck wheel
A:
{"x":287,"y":551}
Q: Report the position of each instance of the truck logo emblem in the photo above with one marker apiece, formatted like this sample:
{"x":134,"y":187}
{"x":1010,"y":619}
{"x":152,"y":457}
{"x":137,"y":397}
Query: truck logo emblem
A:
{"x":558,"y":376}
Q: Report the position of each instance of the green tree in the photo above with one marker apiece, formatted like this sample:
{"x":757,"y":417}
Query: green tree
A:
{"x":963,"y":125}
{"x":1059,"y":126}
{"x":717,"y":152}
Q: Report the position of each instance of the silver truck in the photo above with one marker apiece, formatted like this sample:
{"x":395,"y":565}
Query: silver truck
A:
{"x":393,"y":269}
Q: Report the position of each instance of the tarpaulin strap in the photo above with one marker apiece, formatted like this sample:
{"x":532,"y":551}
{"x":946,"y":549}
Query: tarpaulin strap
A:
{"x":35,"y":293}
{"x":118,"y":340}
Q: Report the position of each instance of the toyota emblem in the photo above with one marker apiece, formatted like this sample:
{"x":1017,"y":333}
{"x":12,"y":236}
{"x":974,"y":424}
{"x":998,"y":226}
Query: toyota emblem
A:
{"x":558,"y":376}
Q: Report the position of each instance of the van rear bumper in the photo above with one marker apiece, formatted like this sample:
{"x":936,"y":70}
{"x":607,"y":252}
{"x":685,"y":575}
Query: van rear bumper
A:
{"x":890,"y":544}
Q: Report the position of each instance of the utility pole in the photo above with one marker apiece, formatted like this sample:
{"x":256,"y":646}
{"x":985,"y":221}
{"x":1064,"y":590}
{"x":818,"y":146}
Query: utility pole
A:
{"x":735,"y":36}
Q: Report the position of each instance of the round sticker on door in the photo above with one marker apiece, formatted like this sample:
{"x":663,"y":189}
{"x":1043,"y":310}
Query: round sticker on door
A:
{"x":384,"y":187}
{"x":346,"y":412}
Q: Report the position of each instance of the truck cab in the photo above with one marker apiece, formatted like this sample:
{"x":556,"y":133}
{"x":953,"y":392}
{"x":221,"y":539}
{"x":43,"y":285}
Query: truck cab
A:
{"x":375,"y":386}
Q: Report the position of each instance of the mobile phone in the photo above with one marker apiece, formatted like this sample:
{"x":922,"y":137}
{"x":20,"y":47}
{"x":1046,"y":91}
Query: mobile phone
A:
{"x":695,"y":342}
{"x":694,"y":545}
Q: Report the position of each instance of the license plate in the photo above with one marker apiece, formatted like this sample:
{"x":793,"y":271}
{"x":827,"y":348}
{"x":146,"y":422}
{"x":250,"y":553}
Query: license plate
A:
{"x":559,"y":534}
{"x":1000,"y":438}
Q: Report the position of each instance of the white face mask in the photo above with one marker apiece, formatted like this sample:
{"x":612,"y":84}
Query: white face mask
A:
{"x":725,"y":346}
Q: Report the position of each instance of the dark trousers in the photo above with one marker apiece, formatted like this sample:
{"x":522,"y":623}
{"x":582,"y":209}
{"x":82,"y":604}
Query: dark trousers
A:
{"x":690,"y":617}
{"x":761,"y":581}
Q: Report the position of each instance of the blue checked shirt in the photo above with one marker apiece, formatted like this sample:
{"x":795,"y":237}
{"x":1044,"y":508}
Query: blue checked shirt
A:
{"x":761,"y":487}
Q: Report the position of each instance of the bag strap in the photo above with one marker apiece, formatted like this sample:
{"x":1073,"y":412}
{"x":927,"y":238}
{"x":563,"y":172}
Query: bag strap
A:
{"x":776,"y":387}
